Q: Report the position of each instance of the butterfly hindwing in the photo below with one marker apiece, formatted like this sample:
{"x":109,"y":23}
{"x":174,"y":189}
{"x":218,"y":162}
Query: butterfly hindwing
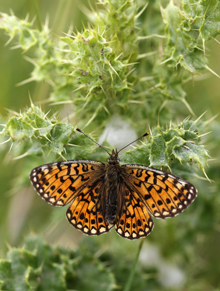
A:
{"x":85,"y":211}
{"x":165,"y":195}
{"x":133,"y":220}
{"x":58,"y":183}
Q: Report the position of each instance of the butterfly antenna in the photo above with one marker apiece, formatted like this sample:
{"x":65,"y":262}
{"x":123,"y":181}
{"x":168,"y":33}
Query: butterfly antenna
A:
{"x":147,"y":133}
{"x":79,"y":130}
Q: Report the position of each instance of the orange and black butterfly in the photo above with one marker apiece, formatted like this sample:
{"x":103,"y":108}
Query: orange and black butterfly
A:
{"x":105,"y":195}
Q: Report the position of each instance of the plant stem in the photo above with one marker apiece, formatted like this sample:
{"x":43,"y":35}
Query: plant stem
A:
{"x":37,"y":15}
{"x":131,"y":276}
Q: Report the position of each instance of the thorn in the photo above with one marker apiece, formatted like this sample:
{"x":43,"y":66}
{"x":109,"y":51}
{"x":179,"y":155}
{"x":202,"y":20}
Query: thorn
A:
{"x":69,"y":35}
{"x":8,"y":246}
{"x":149,"y":78}
{"x":21,"y":156}
{"x":206,"y":175}
{"x":185,"y":119}
{"x":135,"y":101}
{"x":5,"y":141}
{"x":204,"y":134}
{"x":12,"y":112}
{"x":11,"y":11}
{"x":61,"y":102}
{"x":144,"y":93}
{"x":170,"y":124}
{"x":91,"y":119}
{"x":31,"y":102}
{"x":45,"y":116}
{"x":10,"y":39}
{"x":188,"y":106}
{"x":114,"y":70}
{"x":201,"y":178}
{"x":203,"y":44}
{"x":46,"y":137}
{"x":73,"y":145}
{"x":142,"y":10}
{"x":118,"y":56}
{"x":106,"y":109}
{"x":80,"y":87}
{"x":132,"y":70}
{"x":150,"y":131}
{"x":11,"y":146}
{"x":201,"y":116}
{"x":90,"y":5}
{"x":197,"y":78}
{"x":167,"y":60}
{"x":103,"y":32}
{"x":90,"y":91}
{"x":62,"y":157}
{"x":25,"y":81}
{"x":129,"y":88}
{"x":210,"y":70}
{"x":217,"y":40}
{"x":27,"y":17}
{"x":130,"y":64}
{"x":211,"y":119}
{"x":149,"y":36}
{"x":33,"y":20}
{"x":15,"y":47}
{"x":30,"y":60}
{"x":141,"y":56}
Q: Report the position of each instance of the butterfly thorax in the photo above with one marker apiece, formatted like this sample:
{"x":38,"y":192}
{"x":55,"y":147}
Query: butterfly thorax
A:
{"x":112,"y":177}
{"x":114,"y":159}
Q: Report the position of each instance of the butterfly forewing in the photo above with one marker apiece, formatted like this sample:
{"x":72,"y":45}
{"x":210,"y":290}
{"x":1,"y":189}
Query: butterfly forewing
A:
{"x":58,"y":183}
{"x":133,"y":220}
{"x":164,"y":195}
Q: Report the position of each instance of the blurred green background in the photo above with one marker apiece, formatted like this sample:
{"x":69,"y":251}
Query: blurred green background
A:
{"x":23,"y":212}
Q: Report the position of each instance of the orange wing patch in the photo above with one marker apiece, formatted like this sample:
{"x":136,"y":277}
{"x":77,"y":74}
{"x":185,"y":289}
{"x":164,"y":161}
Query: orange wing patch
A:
{"x":85,"y":211}
{"x":165,"y":195}
{"x":133,"y":220}
{"x":58,"y":183}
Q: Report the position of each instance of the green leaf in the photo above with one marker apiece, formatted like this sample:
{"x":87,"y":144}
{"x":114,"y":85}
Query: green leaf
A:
{"x":18,"y":129}
{"x":6,"y":276}
{"x":139,"y":155}
{"x":194,"y":62}
{"x":204,"y":16}
{"x":21,"y":261}
{"x":81,"y":147}
{"x":158,"y":153}
{"x":190,"y":151}
{"x":59,"y":137}
{"x":38,"y":266}
{"x":88,"y":273}
{"x":21,"y":28}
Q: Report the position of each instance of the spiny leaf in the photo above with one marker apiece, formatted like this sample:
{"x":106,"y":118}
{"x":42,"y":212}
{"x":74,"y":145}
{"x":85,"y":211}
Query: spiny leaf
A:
{"x":38,"y":266}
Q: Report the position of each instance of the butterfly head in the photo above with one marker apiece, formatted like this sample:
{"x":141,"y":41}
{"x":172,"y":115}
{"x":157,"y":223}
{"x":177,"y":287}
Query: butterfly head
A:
{"x":114,"y":159}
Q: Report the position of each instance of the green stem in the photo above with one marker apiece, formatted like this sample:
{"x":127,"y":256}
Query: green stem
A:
{"x":131,"y":276}
{"x":37,"y":14}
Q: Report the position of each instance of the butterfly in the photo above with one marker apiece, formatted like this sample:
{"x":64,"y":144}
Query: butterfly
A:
{"x":105,"y":195}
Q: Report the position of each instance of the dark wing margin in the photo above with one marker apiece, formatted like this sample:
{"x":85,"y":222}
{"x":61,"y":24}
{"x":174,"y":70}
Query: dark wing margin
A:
{"x":58,"y":183}
{"x":165,"y":195}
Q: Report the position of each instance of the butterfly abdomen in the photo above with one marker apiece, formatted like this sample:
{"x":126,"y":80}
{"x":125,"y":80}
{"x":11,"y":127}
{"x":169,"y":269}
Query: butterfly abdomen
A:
{"x":112,"y":181}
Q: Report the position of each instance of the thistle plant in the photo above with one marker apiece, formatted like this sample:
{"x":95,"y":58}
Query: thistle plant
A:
{"x":131,"y":61}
